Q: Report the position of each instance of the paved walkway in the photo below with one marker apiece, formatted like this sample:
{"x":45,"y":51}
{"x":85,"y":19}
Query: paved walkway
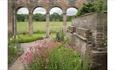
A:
{"x":30,"y":49}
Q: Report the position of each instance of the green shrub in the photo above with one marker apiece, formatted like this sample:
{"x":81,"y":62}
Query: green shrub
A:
{"x":60,"y":58}
{"x":29,"y":38}
{"x":64,"y":59}
{"x":37,"y":64}
{"x":25,"y":38}
{"x":60,"y":36}
{"x":13,"y":54}
{"x":21,"y":17}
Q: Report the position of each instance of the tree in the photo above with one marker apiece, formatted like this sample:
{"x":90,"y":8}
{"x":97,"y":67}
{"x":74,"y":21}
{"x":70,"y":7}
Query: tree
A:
{"x":21,"y":17}
{"x":96,"y":6}
{"x":56,"y":17}
{"x":86,"y":8}
{"x":39,"y":17}
{"x":100,"y":5}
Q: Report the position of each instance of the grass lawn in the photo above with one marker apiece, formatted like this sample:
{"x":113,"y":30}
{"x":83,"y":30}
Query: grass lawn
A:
{"x":39,"y":31}
{"x":40,"y":26}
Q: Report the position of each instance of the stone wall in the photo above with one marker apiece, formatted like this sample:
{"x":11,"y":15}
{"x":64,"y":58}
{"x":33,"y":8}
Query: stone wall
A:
{"x":87,"y":21}
{"x":95,"y":22}
{"x":90,"y":37}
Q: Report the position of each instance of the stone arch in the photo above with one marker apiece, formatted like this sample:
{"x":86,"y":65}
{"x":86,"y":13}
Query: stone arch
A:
{"x":54,"y":7}
{"x":22,"y":12}
{"x":59,"y":13}
{"x":31,"y":4}
{"x":38,"y":7}
{"x":19,"y":7}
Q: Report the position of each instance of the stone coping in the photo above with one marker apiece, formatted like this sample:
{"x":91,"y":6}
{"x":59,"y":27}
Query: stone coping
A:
{"x":98,"y":52}
{"x":79,"y":36}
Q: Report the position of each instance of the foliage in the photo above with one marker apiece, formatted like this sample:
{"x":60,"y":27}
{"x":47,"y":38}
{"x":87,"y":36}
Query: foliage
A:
{"x":13,"y":53}
{"x":39,"y":29}
{"x":96,"y":6}
{"x":60,"y":36}
{"x":22,"y":17}
{"x":56,"y":17}
{"x":9,"y":36}
{"x":86,"y":8}
{"x":100,"y":5}
{"x":37,"y":64}
{"x":24,"y":38}
{"x":64,"y":59}
{"x":28,"y":38}
{"x":69,"y":18}
{"x":60,"y":58}
{"x":39,"y":17}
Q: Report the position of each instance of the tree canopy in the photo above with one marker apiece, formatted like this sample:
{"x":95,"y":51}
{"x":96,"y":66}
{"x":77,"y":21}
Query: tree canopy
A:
{"x":42,"y":17}
{"x":96,"y":6}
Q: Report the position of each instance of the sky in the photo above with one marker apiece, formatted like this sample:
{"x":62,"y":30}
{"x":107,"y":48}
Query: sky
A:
{"x":70,"y":11}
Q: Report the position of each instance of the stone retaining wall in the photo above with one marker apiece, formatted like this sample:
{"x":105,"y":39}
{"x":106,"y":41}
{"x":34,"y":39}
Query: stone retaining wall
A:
{"x":91,"y":35}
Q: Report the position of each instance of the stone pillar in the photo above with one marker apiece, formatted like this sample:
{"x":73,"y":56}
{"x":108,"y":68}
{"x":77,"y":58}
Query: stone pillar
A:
{"x":14,"y":24}
{"x":47,"y":24}
{"x":30,"y":25}
{"x":100,"y":31}
{"x":10,"y":17}
{"x":64,"y":21}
